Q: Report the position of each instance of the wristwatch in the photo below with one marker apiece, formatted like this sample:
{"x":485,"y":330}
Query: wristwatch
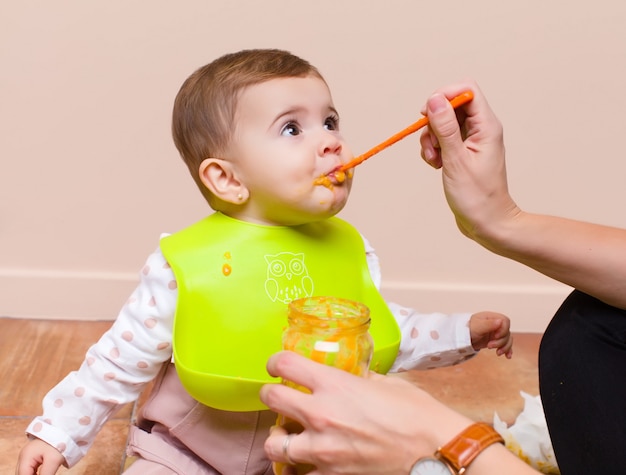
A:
{"x":454,"y":457}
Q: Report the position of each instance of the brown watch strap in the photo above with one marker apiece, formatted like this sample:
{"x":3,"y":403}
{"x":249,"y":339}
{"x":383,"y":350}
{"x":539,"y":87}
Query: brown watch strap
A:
{"x":466,"y":446}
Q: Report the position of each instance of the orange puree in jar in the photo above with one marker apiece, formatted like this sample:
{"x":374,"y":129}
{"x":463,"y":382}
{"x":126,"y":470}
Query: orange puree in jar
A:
{"x":331,"y":331}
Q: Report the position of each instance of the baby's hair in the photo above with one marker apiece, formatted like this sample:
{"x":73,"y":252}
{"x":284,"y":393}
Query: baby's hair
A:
{"x":205,"y":106}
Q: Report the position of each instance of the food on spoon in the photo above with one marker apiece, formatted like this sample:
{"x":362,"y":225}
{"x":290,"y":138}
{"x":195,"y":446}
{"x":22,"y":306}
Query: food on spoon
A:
{"x":340,"y":176}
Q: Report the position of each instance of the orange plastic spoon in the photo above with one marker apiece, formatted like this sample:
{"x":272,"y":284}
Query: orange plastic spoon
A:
{"x":457,"y":101}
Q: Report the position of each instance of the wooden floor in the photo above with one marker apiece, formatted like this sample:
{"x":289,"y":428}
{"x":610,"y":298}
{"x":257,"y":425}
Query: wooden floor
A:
{"x":36,"y":354}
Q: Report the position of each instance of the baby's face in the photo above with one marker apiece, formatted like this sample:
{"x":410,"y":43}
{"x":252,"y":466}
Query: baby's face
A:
{"x":287,"y":136}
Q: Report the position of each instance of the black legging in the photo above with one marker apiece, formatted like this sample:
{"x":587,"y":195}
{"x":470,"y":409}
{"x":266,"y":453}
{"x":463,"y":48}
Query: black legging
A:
{"x":582,"y":380}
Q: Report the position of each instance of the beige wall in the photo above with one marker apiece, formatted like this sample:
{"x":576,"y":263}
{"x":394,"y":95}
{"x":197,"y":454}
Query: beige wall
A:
{"x":89,"y":176}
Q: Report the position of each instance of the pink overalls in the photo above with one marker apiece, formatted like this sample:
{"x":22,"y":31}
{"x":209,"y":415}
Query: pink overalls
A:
{"x":175,"y":434}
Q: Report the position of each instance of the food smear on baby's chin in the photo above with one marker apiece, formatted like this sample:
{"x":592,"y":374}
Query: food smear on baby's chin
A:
{"x":324,"y":180}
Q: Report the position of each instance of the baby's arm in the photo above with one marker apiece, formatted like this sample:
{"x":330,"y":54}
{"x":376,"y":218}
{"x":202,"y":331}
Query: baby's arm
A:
{"x":114,"y":372}
{"x":435,"y":339}
{"x":431,"y":340}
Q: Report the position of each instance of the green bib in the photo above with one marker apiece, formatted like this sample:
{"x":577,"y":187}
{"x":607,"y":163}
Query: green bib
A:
{"x":235,"y":280}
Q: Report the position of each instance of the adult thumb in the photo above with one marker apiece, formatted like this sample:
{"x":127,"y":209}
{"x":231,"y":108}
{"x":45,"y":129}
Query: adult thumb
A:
{"x":443,"y":123}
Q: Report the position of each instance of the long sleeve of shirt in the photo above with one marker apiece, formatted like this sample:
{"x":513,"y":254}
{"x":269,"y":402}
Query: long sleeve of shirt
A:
{"x":115,"y":369}
{"x":131,"y":353}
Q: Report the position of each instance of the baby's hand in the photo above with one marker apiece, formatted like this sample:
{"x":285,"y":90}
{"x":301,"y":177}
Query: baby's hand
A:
{"x":491,"y":330}
{"x":38,"y":453}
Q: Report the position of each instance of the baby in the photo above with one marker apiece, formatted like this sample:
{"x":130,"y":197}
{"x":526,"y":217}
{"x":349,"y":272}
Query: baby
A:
{"x":257,"y":129}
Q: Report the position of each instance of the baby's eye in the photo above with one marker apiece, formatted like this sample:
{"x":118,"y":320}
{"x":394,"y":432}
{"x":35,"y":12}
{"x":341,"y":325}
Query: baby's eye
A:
{"x":290,"y":128}
{"x":332,"y":123}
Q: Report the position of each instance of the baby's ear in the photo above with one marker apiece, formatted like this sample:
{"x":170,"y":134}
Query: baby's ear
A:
{"x":219,"y":177}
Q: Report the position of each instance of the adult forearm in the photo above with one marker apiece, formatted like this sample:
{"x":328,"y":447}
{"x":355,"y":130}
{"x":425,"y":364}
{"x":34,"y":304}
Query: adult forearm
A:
{"x":589,"y":257}
{"x":496,"y":460}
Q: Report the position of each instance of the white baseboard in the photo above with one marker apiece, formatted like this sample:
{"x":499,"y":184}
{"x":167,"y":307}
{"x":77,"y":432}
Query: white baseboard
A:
{"x":64,"y":295}
{"x":99,"y":296}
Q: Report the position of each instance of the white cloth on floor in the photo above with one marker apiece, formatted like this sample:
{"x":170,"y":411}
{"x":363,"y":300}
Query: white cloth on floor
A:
{"x":528,"y":436}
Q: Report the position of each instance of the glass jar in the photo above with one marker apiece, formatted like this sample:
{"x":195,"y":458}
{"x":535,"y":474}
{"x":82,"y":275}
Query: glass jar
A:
{"x":331,"y":331}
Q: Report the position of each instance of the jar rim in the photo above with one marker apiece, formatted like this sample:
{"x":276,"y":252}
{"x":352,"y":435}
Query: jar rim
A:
{"x":329,"y":308}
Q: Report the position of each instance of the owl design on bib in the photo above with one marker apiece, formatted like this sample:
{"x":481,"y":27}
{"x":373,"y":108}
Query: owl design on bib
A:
{"x":287,"y":277}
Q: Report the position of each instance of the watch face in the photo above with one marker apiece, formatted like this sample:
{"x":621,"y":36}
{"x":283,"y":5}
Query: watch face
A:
{"x":430,"y":466}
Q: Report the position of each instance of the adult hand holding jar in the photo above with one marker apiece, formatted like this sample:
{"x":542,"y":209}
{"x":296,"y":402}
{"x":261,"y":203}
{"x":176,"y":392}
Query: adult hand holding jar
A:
{"x":374,"y":425}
